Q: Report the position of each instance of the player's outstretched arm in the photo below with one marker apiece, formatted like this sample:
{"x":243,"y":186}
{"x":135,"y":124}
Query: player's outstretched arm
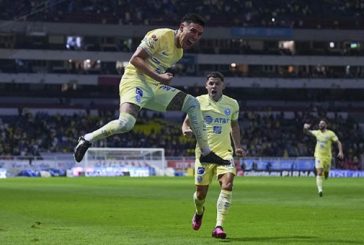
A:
{"x":235,"y":135}
{"x":340,"y":155}
{"x":186,"y":129}
{"x":306,"y":129}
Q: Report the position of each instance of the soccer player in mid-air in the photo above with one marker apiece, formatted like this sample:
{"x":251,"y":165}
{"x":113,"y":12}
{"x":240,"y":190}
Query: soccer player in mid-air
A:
{"x":220,"y":114}
{"x":323,"y":149}
{"x":145,"y":84}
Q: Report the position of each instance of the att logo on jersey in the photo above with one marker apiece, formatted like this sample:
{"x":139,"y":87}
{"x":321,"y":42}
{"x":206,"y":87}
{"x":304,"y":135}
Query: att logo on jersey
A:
{"x":218,"y":120}
{"x":221,"y":120}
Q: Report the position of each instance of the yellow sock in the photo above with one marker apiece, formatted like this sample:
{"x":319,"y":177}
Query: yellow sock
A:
{"x":223,"y":205}
{"x":198,"y":204}
{"x":192,"y":107}
{"x":319,"y":180}
{"x":124,"y":124}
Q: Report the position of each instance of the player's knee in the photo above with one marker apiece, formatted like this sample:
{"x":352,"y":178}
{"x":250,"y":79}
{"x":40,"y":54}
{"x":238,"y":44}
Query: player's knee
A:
{"x":200,"y":195}
{"x":228,"y":186}
{"x":320,"y":171}
{"x":126,"y":122}
{"x":190,"y":103}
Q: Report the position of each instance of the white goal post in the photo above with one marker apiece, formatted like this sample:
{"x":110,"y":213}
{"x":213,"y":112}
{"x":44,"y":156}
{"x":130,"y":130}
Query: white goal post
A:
{"x":104,"y":161}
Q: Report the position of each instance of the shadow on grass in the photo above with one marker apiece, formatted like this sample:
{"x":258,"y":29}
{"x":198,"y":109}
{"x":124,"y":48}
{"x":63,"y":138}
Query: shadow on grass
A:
{"x":290,"y":239}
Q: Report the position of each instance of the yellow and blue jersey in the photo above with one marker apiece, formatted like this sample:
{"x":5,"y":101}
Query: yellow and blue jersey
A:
{"x":217,"y":117}
{"x":324,"y":143}
{"x":163,"y":53}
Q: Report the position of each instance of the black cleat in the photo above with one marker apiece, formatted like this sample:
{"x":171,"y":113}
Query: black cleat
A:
{"x":320,"y":194}
{"x":81,"y":148}
{"x":214,"y":159}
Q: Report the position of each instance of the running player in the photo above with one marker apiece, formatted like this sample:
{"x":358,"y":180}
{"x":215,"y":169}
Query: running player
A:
{"x":220,"y":114}
{"x":323,"y":149}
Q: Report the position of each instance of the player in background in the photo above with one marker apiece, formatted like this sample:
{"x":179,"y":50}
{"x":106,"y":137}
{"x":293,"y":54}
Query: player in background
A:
{"x":145,"y":85}
{"x":323,"y":155}
{"x":220,"y":114}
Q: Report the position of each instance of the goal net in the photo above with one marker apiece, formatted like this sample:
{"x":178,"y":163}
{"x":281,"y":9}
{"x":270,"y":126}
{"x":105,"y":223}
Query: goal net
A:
{"x":100,"y":161}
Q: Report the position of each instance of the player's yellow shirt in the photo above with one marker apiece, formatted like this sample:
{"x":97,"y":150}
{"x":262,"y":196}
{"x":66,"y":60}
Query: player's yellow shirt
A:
{"x":217,"y":117}
{"x":324,"y":143}
{"x":160,"y":44}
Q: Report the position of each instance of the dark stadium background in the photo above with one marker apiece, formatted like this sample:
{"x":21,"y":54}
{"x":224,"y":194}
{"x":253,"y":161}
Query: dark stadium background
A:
{"x":286,"y":62}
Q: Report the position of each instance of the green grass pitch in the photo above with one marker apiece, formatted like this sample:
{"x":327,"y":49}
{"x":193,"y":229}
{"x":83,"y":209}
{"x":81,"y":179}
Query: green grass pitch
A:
{"x":158,"y":210}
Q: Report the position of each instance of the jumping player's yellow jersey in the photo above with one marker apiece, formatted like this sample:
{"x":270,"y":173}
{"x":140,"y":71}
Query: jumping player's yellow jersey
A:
{"x":217,"y":117}
{"x":160,"y":44}
{"x":324,"y":143}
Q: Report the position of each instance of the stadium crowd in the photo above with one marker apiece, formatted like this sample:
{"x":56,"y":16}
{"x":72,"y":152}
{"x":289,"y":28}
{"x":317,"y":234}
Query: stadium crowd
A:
{"x":290,"y":13}
{"x":262,"y":134}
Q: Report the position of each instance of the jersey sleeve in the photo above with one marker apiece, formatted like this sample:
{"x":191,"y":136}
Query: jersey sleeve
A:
{"x":202,"y":100}
{"x":152,"y":41}
{"x":199,"y":98}
{"x":235,"y":113}
{"x":314,"y":132}
{"x":334,"y":137}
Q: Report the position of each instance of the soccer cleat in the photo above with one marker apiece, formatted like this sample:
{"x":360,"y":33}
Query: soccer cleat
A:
{"x":81,"y":148}
{"x":214,"y":159}
{"x":320,"y":194}
{"x":197,"y":220}
{"x":218,"y":232}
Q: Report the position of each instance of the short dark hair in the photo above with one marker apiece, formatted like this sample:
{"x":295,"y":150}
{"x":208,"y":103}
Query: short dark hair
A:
{"x":193,"y":18}
{"x":325,"y":120}
{"x":215,"y":74}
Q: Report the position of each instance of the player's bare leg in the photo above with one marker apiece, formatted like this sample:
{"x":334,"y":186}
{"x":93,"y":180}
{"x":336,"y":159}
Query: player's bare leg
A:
{"x":223,"y":204}
{"x":326,"y":172}
{"x":319,"y":181}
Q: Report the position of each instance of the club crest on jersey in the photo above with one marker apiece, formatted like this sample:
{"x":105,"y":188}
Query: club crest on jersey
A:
{"x":227,"y":111}
{"x":199,"y":179}
{"x":200,"y":170}
{"x":208,"y":119}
